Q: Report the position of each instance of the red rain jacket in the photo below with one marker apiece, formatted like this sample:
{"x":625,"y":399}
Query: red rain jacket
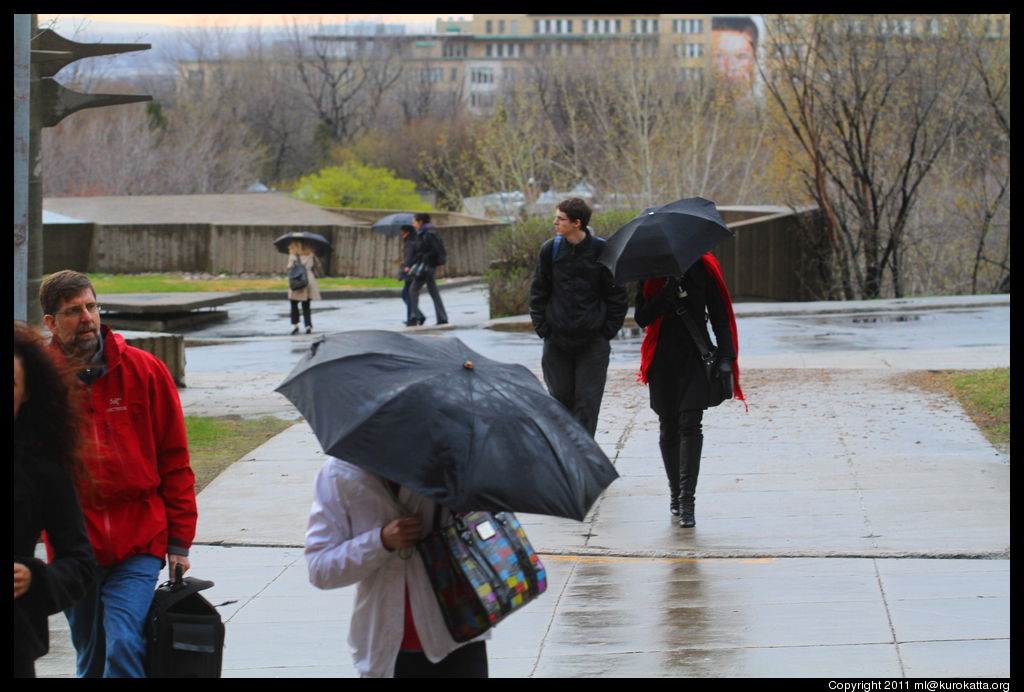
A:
{"x":140,"y":495}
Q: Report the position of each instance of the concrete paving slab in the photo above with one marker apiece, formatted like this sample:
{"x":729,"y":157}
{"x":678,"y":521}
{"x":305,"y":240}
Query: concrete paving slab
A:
{"x":748,"y":662}
{"x":960,"y":658}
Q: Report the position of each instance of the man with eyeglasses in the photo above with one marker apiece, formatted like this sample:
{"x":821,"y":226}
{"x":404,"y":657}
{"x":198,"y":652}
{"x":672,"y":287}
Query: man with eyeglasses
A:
{"x":577,"y":308}
{"x":139,"y":496}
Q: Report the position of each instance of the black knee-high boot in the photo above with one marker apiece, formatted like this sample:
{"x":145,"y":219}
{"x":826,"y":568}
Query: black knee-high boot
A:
{"x":689,"y":468}
{"x":670,"y":458}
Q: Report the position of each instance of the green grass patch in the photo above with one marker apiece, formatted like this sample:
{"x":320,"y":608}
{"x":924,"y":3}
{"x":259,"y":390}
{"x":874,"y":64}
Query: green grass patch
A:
{"x":985,"y":397}
{"x":179,"y":283}
{"x":216,"y":443}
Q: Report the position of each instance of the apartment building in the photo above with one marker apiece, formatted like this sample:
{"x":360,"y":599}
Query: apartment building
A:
{"x":473,"y":58}
{"x":482,"y":54}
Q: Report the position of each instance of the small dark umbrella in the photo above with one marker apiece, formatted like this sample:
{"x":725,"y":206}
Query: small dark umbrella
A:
{"x":665,"y":240}
{"x":320,"y":244}
{"x":391,"y":225}
{"x":429,"y":413}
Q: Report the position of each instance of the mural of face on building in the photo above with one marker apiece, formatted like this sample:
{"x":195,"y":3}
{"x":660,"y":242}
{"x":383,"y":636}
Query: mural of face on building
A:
{"x":734,"y":50}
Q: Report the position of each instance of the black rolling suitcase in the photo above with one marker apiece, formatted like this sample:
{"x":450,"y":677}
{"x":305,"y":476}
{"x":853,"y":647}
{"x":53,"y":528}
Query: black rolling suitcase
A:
{"x":184,"y":632}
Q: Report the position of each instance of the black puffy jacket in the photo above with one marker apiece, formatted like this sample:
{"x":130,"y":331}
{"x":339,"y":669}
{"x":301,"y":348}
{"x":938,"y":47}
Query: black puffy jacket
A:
{"x":573,"y":298}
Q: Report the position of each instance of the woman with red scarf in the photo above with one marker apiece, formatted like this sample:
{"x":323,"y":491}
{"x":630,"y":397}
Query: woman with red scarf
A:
{"x":671,"y":365}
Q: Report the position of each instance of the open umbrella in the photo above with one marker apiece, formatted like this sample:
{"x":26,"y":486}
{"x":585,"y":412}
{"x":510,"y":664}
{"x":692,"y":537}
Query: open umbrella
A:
{"x":665,"y":240}
{"x":431,"y":414}
{"x":391,"y":224}
{"x":320,"y":244}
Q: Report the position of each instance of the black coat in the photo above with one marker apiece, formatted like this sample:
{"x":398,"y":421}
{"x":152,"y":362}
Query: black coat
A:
{"x":425,"y":248}
{"x":45,"y":499}
{"x":676,"y":375}
{"x":409,"y":245}
{"x":573,"y":298}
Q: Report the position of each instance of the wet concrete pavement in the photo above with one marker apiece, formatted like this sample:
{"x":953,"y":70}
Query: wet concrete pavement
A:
{"x":848,"y":524}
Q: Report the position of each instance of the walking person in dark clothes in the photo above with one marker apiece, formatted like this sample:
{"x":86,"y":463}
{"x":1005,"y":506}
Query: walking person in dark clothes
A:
{"x":577,"y":308}
{"x":412,"y":319}
{"x":47,"y":461}
{"x":425,"y":262}
{"x":671,"y":365}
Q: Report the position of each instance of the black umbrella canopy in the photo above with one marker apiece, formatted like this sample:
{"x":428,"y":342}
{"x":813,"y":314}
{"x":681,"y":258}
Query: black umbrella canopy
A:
{"x":664,"y":240}
{"x":391,"y":225}
{"x":320,"y":244}
{"x":431,"y":414}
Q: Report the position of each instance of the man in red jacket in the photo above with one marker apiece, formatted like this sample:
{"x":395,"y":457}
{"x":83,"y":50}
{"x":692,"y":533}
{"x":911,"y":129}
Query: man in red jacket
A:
{"x":139,"y":498}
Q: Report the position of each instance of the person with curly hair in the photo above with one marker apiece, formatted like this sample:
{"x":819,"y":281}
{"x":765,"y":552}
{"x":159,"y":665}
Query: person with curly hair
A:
{"x":46,"y":462}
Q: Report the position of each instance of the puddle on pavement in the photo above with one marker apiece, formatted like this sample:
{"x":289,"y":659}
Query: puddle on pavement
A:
{"x":885,"y":319}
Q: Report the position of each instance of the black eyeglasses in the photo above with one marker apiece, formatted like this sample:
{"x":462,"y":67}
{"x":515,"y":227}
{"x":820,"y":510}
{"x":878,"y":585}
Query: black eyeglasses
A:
{"x":76,"y":311}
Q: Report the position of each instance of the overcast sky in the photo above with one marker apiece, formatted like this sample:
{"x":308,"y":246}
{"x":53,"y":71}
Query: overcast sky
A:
{"x":249,"y":19}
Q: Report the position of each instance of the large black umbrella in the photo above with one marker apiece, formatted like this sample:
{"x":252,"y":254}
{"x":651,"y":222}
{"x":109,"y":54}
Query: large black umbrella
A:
{"x":431,"y":414}
{"x":391,"y":225}
{"x":665,"y":240}
{"x":320,"y":244}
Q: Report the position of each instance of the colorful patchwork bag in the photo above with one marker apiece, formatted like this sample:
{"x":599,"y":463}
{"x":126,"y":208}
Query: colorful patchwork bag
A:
{"x":482,"y":568}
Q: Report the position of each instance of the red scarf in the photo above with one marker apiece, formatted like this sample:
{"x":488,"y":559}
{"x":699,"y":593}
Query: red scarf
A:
{"x":650,"y":343}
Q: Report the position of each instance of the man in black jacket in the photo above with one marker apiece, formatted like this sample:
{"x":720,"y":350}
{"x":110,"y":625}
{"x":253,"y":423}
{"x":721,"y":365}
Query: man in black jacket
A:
{"x":425,"y":255}
{"x":577,"y":309}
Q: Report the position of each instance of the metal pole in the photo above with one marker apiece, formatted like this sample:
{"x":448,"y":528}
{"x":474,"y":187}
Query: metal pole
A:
{"x":22,"y":94}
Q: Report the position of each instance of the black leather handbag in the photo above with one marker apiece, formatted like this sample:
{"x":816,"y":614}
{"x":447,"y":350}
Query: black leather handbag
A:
{"x":720,"y":382}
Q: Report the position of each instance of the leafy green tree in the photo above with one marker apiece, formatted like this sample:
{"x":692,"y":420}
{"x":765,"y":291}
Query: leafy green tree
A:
{"x":353,"y":184}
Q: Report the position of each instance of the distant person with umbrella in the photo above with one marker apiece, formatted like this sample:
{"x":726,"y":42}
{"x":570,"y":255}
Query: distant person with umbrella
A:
{"x":409,"y":243}
{"x":428,"y":255}
{"x":301,"y":252}
{"x":577,"y":309}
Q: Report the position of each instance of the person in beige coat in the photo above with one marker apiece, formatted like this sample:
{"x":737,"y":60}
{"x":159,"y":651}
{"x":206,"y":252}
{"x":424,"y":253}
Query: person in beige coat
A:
{"x":301,"y":251}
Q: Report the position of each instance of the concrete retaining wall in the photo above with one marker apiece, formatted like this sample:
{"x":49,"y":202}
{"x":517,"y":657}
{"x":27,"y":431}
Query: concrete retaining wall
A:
{"x":766,"y":260}
{"x":132,"y":249}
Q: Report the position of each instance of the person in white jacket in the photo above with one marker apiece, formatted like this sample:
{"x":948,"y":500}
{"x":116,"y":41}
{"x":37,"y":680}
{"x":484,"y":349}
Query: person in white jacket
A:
{"x":363,"y":530}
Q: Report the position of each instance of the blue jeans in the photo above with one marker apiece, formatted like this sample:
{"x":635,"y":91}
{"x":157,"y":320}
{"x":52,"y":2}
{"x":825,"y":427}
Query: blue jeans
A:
{"x":107,"y":624}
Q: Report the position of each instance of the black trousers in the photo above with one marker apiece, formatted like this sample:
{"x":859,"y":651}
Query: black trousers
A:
{"x":435,"y":295}
{"x":469,"y":661}
{"x":305,"y":312}
{"x":577,"y":380}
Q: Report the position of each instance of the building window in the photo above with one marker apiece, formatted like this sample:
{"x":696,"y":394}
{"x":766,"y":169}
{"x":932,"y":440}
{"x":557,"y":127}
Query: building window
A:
{"x":501,"y":26}
{"x":515,"y":26}
{"x":693,"y":50}
{"x":432,"y":75}
{"x":688,"y":26}
{"x":487,"y":27}
{"x":455,"y":50}
{"x":481,"y":100}
{"x":503,"y":50}
{"x":454,"y":75}
{"x":691,"y":74}
{"x":644,"y":26}
{"x":482,"y":75}
{"x":552,"y":26}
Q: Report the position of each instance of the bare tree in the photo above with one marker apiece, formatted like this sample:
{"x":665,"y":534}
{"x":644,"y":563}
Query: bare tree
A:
{"x":343,"y":78}
{"x":870,"y":110}
{"x":125,"y":151}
